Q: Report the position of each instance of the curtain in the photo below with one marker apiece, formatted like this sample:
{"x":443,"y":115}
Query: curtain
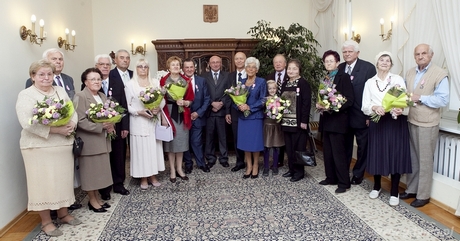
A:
{"x":330,"y":19}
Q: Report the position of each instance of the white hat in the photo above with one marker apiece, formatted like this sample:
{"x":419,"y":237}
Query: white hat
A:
{"x":377,"y":57}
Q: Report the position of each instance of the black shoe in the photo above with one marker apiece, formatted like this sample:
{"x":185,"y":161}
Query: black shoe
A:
{"x":246,"y":176}
{"x":280,"y":164}
{"x":188,"y":170}
{"x":288,"y":174}
{"x":225,"y":164}
{"x":296,"y":179}
{"x":340,"y":190}
{"x":266,"y":172}
{"x":275,"y":171}
{"x":184,"y":178}
{"x":173,"y":180}
{"x":255,"y":176}
{"x":204,"y":169}
{"x":96,"y":210}
{"x":106,"y":205}
{"x":417,"y":203}
{"x":122,"y":191}
{"x":105,"y":196}
{"x":325,"y":182}
{"x":356,"y":180}
{"x":75,"y":206}
{"x":237,"y":168}
{"x":210,"y":165}
{"x":405,"y":195}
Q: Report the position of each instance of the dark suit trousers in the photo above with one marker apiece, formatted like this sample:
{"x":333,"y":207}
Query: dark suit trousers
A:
{"x":216,"y":124}
{"x":361,"y":140}
{"x":335,"y":159}
{"x":196,"y":145}
{"x":118,"y":162}
{"x":295,"y":141}
{"x":239,"y":153}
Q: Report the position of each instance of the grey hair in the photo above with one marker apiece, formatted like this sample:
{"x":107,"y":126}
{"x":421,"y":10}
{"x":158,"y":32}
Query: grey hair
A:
{"x":351,"y":43}
{"x":121,"y":50}
{"x":102,"y":56}
{"x":51,"y":51}
{"x":252,"y":60}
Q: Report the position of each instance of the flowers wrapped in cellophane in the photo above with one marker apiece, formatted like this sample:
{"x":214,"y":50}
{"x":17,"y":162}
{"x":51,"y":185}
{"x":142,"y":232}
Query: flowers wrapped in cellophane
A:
{"x":396,"y":97}
{"x":239,"y":95}
{"x":276,"y":107}
{"x":177,"y":91}
{"x":109,"y":111}
{"x":329,"y":99}
{"x":151,"y":98}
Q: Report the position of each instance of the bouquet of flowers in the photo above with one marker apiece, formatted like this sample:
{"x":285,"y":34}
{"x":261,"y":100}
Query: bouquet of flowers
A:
{"x":239,"y":94}
{"x":396,"y":97}
{"x":276,"y":107}
{"x":329,"y":99}
{"x":177,"y":91}
{"x":151,"y":97}
{"x":110,"y":111}
{"x":52,"y":112}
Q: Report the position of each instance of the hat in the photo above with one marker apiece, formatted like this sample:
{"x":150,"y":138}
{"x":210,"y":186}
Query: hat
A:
{"x":383,"y":53}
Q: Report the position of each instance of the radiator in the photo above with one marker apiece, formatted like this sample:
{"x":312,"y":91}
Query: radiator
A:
{"x":447,"y":156}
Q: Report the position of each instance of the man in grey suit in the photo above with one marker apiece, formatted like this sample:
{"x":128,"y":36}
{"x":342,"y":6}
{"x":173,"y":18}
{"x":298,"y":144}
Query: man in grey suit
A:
{"x":56,"y":57}
{"x":217,"y":83}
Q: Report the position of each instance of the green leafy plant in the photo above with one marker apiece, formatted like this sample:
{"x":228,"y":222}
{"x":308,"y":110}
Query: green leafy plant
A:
{"x":296,"y":42}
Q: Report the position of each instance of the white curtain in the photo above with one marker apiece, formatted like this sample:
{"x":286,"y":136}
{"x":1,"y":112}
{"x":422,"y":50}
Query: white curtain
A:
{"x":330,"y":18}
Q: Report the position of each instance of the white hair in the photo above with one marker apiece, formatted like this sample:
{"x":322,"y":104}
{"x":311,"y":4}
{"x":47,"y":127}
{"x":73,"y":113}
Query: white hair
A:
{"x":252,"y":60}
{"x":102,"y":56}
{"x":51,"y":51}
{"x":351,"y":43}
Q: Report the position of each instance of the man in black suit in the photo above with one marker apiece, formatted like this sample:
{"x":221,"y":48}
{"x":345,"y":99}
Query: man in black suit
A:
{"x":116,"y":90}
{"x":232,"y":119}
{"x":280,"y":76}
{"x":198,"y":110}
{"x":217,"y":83}
{"x":360,"y":71}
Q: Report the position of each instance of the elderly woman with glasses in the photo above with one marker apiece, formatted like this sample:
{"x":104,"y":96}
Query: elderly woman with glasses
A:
{"x":146,"y":152}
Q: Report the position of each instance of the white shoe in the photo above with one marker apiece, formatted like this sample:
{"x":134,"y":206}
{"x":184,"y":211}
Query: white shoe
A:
{"x":374,"y":194}
{"x":394,"y":201}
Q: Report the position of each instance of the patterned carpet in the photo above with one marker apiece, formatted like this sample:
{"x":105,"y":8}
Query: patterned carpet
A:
{"x":220,"y":205}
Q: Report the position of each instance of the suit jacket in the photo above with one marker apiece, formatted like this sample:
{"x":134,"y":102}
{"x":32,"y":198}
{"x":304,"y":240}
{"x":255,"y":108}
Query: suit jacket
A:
{"x":216,"y":92}
{"x":339,"y":121}
{"x":255,"y":99}
{"x":201,"y":101}
{"x":92,"y":133}
{"x":362,"y":71}
{"x":117,"y":89}
{"x":273,"y":77}
{"x":235,"y":113}
{"x":68,"y":84}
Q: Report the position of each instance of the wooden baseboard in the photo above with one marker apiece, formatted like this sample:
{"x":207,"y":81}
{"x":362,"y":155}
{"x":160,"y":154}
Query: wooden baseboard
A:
{"x":13,"y":222}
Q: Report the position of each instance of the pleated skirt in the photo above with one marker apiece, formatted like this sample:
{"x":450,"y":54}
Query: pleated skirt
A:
{"x":146,"y":153}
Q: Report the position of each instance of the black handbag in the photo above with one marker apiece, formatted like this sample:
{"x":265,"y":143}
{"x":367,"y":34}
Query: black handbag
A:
{"x":306,"y":158}
{"x":77,"y":146}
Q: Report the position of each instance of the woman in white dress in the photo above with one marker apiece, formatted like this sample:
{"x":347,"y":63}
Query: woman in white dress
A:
{"x":146,"y":152}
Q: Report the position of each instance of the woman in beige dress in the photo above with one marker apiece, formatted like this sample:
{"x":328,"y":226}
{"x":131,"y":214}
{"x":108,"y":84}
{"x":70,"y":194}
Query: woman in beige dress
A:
{"x":47,"y":151}
{"x":95,"y":172}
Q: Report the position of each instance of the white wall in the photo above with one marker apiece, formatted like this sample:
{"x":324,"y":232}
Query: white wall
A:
{"x":17,"y":57}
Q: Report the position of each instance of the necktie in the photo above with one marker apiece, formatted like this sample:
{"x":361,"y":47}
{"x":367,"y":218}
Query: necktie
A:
{"x":125,"y":78}
{"x":215,"y":78}
{"x":349,"y":70}
{"x":239,"y":77}
{"x":278,"y":83}
{"x":104,"y":86}
{"x":58,"y":79}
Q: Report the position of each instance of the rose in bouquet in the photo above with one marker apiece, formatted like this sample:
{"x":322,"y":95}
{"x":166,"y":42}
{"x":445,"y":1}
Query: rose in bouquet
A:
{"x":239,"y":95}
{"x":276,"y":107}
{"x":52,"y":112}
{"x":396,"y":97}
{"x":329,"y":99}
{"x":152,"y":97}
{"x":177,"y":91}
{"x":110,"y":112}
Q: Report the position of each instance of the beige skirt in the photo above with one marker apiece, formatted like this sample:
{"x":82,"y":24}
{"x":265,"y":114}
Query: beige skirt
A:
{"x":95,"y":172}
{"x":49,"y":173}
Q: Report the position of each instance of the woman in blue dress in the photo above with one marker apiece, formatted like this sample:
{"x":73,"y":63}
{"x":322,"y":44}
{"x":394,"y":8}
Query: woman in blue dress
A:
{"x":250,"y":127}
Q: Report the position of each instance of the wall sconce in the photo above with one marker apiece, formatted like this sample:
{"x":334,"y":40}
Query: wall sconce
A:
{"x":24,"y":32}
{"x":356,"y":38}
{"x":382,"y":30}
{"x":65,"y":42}
{"x":139,"y":49}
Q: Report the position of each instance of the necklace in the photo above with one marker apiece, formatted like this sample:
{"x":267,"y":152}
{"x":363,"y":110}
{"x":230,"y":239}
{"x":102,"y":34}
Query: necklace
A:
{"x":386,"y":86}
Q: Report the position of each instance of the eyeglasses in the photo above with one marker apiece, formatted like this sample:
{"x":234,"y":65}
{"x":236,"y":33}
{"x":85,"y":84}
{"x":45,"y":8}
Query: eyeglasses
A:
{"x":104,"y":64}
{"x":329,"y":61}
{"x":95,"y":80}
{"x":142,"y":66}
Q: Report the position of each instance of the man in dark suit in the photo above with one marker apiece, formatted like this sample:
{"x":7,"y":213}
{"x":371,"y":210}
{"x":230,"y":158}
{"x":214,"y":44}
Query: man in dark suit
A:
{"x":360,"y":71}
{"x":198,"y":115}
{"x":217,"y":83}
{"x":232,"y":119}
{"x":280,"y":76}
{"x":116,"y":90}
{"x":56,"y":57}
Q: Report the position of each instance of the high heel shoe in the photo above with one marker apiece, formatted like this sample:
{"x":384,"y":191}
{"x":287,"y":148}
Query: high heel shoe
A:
{"x":173,"y":180}
{"x":106,"y":205}
{"x":96,"y":210}
{"x":255,"y":176}
{"x":246,"y":176}
{"x":185,"y":178}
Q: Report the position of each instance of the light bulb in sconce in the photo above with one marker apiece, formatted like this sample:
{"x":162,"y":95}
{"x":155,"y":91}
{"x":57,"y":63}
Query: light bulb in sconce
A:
{"x":357,"y":37}
{"x":345,"y":33}
{"x":24,"y":32}
{"x":382,"y":29}
{"x":381,"y":26}
{"x":65,"y":42}
{"x":73,"y":37}
{"x":66,"y":31}
{"x":139,"y":49}
{"x":42,"y":24}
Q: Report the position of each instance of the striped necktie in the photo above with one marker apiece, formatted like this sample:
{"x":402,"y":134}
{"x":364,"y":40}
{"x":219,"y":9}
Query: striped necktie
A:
{"x":58,"y":79}
{"x":278,"y":83}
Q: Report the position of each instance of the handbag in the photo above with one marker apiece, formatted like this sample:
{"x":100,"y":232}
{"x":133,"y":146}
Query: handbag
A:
{"x":306,"y":158}
{"x":163,"y":133}
{"x":77,"y":146}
